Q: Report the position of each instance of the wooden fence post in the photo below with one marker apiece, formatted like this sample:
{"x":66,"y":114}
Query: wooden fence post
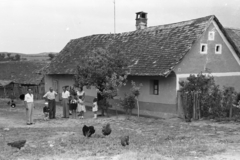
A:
{"x":180,"y":108}
{"x":194,"y":105}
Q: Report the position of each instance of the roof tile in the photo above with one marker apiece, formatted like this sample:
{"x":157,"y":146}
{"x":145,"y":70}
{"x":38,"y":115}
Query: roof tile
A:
{"x":165,"y":45}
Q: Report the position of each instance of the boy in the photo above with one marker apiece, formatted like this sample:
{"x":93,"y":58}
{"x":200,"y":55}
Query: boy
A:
{"x":46,"y":111}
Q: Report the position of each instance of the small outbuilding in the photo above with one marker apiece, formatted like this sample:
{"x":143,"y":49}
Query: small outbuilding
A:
{"x":17,"y":76}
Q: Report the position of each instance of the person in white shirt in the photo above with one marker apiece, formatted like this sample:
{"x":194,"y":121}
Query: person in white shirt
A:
{"x":51,"y":95}
{"x":65,"y":99}
{"x":29,"y":106}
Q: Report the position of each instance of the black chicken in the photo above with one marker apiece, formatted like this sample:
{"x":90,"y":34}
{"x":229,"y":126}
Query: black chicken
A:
{"x":124,"y":140}
{"x":17,"y":144}
{"x":88,"y":131}
{"x":106,"y":130}
{"x":22,"y":96}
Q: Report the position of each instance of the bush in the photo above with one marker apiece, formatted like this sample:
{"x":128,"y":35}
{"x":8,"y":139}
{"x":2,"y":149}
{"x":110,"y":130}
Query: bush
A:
{"x":214,"y":102}
{"x":211,"y":102}
{"x":130,"y":99}
{"x":128,"y":102}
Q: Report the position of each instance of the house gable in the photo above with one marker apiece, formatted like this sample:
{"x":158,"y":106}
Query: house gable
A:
{"x":223,"y":64}
{"x":196,"y":62}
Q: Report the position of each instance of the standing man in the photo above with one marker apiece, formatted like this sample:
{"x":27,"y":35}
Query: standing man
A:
{"x":29,"y":106}
{"x":100,"y":100}
{"x":65,"y":99}
{"x":51,"y":95}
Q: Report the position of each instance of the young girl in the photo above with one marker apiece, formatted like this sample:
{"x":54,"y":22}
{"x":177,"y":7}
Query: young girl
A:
{"x":73,"y":105}
{"x":81,"y":107}
{"x":95,"y":107}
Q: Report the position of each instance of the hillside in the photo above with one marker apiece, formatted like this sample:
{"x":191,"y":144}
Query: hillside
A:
{"x":31,"y":57}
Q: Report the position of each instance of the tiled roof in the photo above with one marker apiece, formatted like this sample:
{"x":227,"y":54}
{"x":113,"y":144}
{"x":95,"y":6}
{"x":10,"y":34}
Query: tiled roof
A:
{"x":153,"y":51}
{"x":22,"y":72}
{"x":234,"y":34}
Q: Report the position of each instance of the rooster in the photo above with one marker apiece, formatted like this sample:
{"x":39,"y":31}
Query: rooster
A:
{"x":88,"y":131}
{"x":124,"y":140}
{"x":17,"y":144}
{"x":106,"y":130}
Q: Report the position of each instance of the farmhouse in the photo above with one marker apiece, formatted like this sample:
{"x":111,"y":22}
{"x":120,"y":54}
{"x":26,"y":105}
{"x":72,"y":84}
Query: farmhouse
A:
{"x":161,"y":56}
{"x":17,"y":76}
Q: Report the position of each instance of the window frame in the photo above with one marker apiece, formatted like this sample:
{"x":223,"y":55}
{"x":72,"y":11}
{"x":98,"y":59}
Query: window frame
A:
{"x":155,"y":82}
{"x":220,"y":49}
{"x":211,"y":38}
{"x":203,"y":44}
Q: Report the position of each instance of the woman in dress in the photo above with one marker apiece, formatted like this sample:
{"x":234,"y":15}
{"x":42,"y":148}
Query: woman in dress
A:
{"x":81,"y":93}
{"x":81,"y":107}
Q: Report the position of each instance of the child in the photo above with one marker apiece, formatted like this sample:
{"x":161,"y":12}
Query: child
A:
{"x":95,"y":107}
{"x":46,"y":111}
{"x":73,"y":106}
{"x":81,"y":107}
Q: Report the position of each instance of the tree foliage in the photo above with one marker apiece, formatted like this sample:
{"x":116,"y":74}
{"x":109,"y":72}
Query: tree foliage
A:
{"x":199,"y":83}
{"x":17,"y":57}
{"x":51,"y":56}
{"x":104,"y":70}
{"x":3,"y":57}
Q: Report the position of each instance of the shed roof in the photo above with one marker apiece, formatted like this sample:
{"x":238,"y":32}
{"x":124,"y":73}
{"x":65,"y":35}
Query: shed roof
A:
{"x":22,"y":72}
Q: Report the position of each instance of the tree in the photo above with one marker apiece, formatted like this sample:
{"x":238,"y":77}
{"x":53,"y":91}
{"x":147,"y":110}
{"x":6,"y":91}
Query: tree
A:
{"x":104,"y":70}
{"x":17,"y":57}
{"x":8,"y":55}
{"x":51,"y":56}
{"x":2,"y":57}
{"x":130,"y":99}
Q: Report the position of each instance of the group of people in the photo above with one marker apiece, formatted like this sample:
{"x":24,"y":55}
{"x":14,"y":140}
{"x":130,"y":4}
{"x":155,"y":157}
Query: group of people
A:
{"x":72,"y":103}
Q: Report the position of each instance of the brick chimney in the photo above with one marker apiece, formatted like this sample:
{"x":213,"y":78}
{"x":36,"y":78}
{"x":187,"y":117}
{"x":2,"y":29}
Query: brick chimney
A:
{"x":141,"y":20}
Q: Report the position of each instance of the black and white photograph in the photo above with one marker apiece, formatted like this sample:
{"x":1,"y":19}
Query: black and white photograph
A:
{"x":120,"y":80}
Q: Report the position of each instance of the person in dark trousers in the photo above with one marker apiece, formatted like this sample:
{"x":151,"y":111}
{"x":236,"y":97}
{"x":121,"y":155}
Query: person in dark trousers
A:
{"x":51,"y":95}
{"x":100,"y":101}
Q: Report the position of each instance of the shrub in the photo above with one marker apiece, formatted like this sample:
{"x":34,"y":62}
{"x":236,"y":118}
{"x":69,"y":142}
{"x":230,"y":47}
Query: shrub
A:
{"x":214,"y":102}
{"x":211,"y":102}
{"x":128,"y":102}
{"x":130,"y":99}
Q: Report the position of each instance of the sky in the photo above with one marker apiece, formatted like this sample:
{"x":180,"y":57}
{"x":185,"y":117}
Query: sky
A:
{"x":35,"y":26}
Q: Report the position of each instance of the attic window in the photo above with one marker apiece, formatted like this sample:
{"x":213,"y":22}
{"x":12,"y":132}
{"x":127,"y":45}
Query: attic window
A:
{"x":203,"y":49}
{"x":211,"y":35}
{"x":218,"y":49}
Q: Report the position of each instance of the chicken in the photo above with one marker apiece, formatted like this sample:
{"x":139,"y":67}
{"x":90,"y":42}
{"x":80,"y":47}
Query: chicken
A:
{"x":22,"y":96}
{"x":88,"y":131}
{"x":13,"y":105}
{"x":106,"y":130}
{"x":17,"y":144}
{"x":124,"y":140}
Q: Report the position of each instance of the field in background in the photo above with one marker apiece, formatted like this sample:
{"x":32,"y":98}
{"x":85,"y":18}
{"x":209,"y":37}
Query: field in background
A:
{"x":150,"y":139}
{"x":31,"y":57}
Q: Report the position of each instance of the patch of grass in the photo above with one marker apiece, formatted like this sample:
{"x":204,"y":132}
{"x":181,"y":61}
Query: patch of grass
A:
{"x":149,"y":139}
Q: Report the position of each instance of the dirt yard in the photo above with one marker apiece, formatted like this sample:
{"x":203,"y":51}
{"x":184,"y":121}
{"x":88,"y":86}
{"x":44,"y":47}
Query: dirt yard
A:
{"x":150,"y":139}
